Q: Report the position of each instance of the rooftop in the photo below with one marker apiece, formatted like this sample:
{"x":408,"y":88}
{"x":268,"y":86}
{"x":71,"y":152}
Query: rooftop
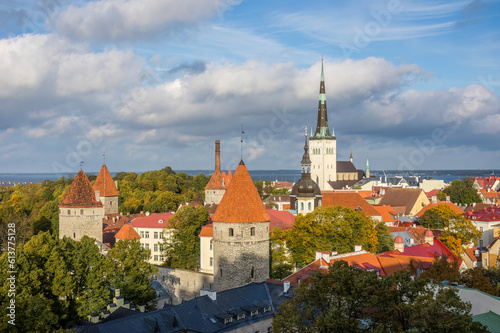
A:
{"x":80,"y":193}
{"x":105,"y":184}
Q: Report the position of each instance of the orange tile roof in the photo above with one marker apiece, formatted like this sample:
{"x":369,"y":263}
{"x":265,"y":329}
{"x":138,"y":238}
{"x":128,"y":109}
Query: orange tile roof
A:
{"x":215,"y":182}
{"x":363,"y":193}
{"x":454,"y":207}
{"x":155,"y":220}
{"x":406,"y":197}
{"x":80,"y":193}
{"x":241,"y":202}
{"x":387,"y":212}
{"x":127,"y":232}
{"x":432,"y":193}
{"x":207,"y":230}
{"x":472,"y":255}
{"x":105,"y":184}
{"x":348,"y":199}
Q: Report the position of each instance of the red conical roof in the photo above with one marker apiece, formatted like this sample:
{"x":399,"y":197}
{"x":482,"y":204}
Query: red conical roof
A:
{"x":105,"y":184}
{"x":399,"y":240}
{"x":215,"y":183}
{"x":80,"y":193}
{"x":127,"y":232}
{"x":428,"y":233}
{"x":241,"y":202}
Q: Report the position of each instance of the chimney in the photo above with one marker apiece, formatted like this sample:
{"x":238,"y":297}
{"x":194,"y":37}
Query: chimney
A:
{"x":142,"y":308}
{"x":358,"y":248}
{"x":429,"y":237}
{"x":322,"y":254}
{"x":94,"y":319}
{"x":334,"y":253}
{"x":399,"y":244}
{"x":476,"y":253}
{"x":448,"y":198}
{"x":97,"y":195}
{"x":286,"y":286}
{"x":210,"y":293}
{"x":116,"y":184}
{"x":217,"y":155}
{"x":434,"y":199}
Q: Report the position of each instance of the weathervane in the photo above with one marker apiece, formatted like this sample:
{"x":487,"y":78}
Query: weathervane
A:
{"x":241,"y":141}
{"x":104,"y":158}
{"x":305,"y":131}
{"x":81,"y":164}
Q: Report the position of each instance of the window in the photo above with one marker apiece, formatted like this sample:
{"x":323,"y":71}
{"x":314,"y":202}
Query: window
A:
{"x":81,"y":211}
{"x":162,"y":258}
{"x":254,"y":313}
{"x":480,"y":243}
{"x":156,"y":247}
{"x":240,"y":316}
{"x":155,"y":258}
{"x":74,"y":236}
{"x":485,"y":262}
{"x":142,"y":234}
{"x":252,"y":231}
{"x":211,"y":244}
{"x":309,"y":206}
{"x":252,"y":273}
{"x":211,"y":261}
{"x":220,"y":272}
{"x":267,"y":308}
{"x":69,"y":212}
{"x":156,"y":235}
{"x":301,"y":206}
{"x":228,"y":320}
{"x":146,"y":246}
{"x":146,"y":234}
{"x":481,"y":229}
{"x":161,"y":235}
{"x":231,"y":232}
{"x":161,"y":247}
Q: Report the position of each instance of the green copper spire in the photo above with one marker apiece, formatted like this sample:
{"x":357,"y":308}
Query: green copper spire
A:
{"x":322,"y":129}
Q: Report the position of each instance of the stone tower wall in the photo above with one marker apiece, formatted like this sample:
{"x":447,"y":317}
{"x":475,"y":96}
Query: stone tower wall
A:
{"x":78,"y":222}
{"x":110,"y":204}
{"x":235,"y":256}
{"x":214,"y":196}
{"x":324,"y":163}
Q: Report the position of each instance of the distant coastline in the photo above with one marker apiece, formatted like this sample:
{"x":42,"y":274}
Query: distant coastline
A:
{"x":272,"y":175}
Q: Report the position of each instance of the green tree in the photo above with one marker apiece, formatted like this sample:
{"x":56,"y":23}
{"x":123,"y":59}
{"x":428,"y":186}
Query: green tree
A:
{"x":442,"y":269}
{"x":182,"y":249}
{"x":331,"y":228}
{"x":132,"y":272}
{"x":462,"y":191}
{"x":280,"y":259}
{"x":200,"y":181}
{"x":457,"y":230}
{"x":346,"y":299}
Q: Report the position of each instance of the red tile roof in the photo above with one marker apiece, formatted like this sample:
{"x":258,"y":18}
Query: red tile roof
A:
{"x":207,"y":230}
{"x":281,"y":219}
{"x":490,"y":214}
{"x":156,"y":220}
{"x":486,"y":182}
{"x":406,"y":197}
{"x":80,"y":193}
{"x":349,"y":199}
{"x":105,"y":184}
{"x":387,"y":212}
{"x":241,"y":202}
{"x":127,"y":232}
{"x":215,"y":182}
{"x":432,"y":193}
{"x":472,"y":255}
{"x":454,"y":207}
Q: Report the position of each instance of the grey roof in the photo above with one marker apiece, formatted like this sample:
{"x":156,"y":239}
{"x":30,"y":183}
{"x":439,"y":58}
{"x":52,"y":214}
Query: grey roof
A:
{"x":346,"y":166}
{"x":340,"y":184}
{"x":161,"y":292}
{"x":201,"y":314}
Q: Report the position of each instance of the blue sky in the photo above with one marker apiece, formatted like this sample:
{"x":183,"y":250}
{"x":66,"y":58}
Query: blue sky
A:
{"x":153,"y":83}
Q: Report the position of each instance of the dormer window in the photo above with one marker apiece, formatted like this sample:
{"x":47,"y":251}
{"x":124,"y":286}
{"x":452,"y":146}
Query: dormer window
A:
{"x":267,"y":308}
{"x":240,"y":316}
{"x":160,"y":221}
{"x":254,"y":313}
{"x":228,"y":320}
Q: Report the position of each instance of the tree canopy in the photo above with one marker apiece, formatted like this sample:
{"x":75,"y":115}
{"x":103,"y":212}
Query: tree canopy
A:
{"x":182,"y":248}
{"x":60,"y":281}
{"x":457,"y":230}
{"x":347,"y":299}
{"x":462,"y":191}
{"x":334,"y":228}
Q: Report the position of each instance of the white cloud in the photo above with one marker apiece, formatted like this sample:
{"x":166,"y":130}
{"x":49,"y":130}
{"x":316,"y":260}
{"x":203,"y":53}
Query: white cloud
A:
{"x":119,"y":20}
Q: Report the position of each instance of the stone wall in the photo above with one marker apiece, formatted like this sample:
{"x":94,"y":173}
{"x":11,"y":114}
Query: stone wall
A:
{"x":78,"y":222}
{"x":213,"y":196}
{"x":110,"y":204}
{"x":241,"y":253}
{"x":183,"y":284}
{"x":262,"y":326}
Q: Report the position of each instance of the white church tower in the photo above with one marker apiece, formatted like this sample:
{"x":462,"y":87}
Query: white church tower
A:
{"x":323,"y":145}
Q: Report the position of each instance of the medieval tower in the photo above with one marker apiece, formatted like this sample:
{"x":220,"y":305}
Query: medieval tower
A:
{"x":106,"y":192}
{"x":80,"y":213}
{"x":218,"y":183}
{"x":240,"y":234}
{"x":306,"y":194}
{"x":323,"y":145}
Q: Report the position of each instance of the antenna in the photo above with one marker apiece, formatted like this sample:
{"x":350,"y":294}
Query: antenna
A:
{"x":306,"y":131}
{"x":104,"y":158}
{"x":241,"y":142}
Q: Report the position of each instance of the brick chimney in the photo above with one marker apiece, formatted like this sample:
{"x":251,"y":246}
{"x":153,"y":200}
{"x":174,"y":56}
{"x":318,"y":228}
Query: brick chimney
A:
{"x":399,"y":243}
{"x":217,"y":155}
{"x":429,"y":237}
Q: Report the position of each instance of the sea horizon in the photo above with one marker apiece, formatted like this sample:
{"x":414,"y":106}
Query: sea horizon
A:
{"x":290,"y":175}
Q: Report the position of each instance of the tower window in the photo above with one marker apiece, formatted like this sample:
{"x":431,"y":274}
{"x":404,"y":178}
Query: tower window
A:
{"x":211,"y":261}
{"x":309,"y":206}
{"x":251,"y":273}
{"x":220,"y":272}
{"x":252,"y":231}
{"x":301,"y":206}
{"x":231,"y":232}
{"x":69,"y":212}
{"x":74,"y":236}
{"x":81,"y":211}
{"x":211,"y":245}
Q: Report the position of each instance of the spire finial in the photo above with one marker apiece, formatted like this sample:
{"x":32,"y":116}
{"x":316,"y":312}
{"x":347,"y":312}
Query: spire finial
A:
{"x":104,"y":158}
{"x":241,"y":141}
{"x":81,"y":165}
{"x":305,"y":131}
{"x":322,"y":72}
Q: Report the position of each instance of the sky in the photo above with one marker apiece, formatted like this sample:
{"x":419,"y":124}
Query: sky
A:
{"x":147,"y":84}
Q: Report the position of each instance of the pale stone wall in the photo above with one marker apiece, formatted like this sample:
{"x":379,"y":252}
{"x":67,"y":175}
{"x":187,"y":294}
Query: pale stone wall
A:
{"x":302,"y":205}
{"x":261,"y":326}
{"x":183,"y":284}
{"x":206,"y":253}
{"x":213,"y":196}
{"x":347,"y":176}
{"x":323,"y":155}
{"x":152,"y":239}
{"x":110,"y":204}
{"x":242,"y":257}
{"x":421,"y":202}
{"x":78,"y":222}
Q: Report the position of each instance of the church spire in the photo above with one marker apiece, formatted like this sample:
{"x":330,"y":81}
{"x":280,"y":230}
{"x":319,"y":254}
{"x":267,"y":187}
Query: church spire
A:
{"x":322,"y":130}
{"x":306,"y":161}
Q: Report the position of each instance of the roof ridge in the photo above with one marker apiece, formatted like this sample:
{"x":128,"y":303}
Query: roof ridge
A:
{"x":104,"y":183}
